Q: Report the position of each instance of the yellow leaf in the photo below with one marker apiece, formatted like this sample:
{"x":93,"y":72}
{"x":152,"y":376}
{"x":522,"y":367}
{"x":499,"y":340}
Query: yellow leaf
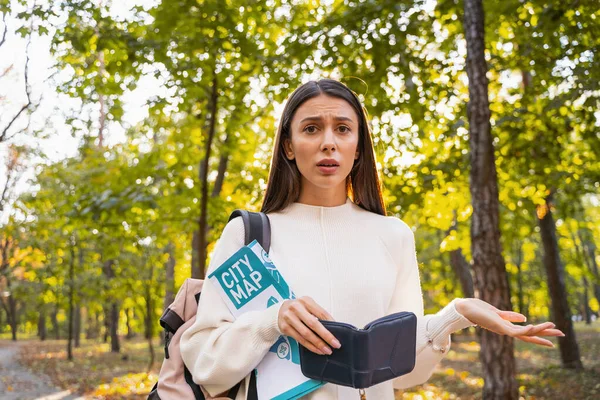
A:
{"x":534,"y":20}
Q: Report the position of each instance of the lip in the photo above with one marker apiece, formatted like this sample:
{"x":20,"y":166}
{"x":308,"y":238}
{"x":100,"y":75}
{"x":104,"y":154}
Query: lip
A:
{"x":326,"y":169}
{"x":330,"y":161}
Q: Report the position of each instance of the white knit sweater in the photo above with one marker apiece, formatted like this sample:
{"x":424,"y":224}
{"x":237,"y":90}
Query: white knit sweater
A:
{"x":357,"y":265}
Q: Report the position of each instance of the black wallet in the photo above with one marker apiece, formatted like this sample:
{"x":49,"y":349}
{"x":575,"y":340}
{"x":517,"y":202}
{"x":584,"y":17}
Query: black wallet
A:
{"x":384,"y":349}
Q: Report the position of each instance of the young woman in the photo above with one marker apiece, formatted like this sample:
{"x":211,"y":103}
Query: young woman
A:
{"x":335,"y":246}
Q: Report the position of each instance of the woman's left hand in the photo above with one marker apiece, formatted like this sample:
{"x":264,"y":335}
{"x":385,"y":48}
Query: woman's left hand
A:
{"x":489,"y":317}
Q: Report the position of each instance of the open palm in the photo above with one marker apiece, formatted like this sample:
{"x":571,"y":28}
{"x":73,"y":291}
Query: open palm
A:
{"x":489,"y":317}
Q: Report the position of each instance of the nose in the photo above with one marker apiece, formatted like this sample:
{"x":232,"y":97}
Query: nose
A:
{"x":328,"y":143}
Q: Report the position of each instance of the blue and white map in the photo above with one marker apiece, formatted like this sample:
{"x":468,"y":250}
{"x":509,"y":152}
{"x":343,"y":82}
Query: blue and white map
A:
{"x":249,"y":281}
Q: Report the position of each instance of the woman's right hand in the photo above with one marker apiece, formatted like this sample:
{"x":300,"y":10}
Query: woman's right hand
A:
{"x":299,"y":319}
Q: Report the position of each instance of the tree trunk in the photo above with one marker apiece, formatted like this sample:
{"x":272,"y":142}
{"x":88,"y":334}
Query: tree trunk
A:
{"x":497,"y":355}
{"x":115,"y":346}
{"x":150,"y":315}
{"x":569,"y":350}
{"x":200,"y":237}
{"x":92,"y":325}
{"x":97,"y":324}
{"x":106,"y":335}
{"x":519,"y":265}
{"x":130,"y":334}
{"x":594,"y":269}
{"x":71,"y":303}
{"x":77,"y":327}
{"x":6,"y":306}
{"x":462,"y":269}
{"x":12,"y":306}
{"x":520,"y":292}
{"x":584,"y":300}
{"x":195,"y":255}
{"x":54,"y":319}
{"x":587,"y":312}
{"x":170,"y":276}
{"x":77,"y":310}
{"x":42,"y":332}
{"x":222,"y":169}
{"x":223,"y":161}
{"x":11,"y":309}
{"x":589,"y":255}
{"x":169,"y":282}
{"x":112,"y":316}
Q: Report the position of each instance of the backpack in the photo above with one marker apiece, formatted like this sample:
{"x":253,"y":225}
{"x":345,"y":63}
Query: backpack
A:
{"x":174,"y":379}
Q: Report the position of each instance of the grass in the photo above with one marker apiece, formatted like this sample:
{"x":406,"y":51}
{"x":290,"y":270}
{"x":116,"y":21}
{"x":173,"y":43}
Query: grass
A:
{"x":99,"y":374}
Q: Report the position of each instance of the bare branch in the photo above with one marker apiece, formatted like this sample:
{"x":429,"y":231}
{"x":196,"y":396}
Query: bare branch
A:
{"x":5,"y":30}
{"x":3,"y":199}
{"x":4,"y":134}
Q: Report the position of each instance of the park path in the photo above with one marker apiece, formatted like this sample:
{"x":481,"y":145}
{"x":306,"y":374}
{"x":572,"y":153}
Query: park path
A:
{"x":19,"y":383}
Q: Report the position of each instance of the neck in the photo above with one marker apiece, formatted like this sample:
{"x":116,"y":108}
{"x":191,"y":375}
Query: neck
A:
{"x":324,"y":198}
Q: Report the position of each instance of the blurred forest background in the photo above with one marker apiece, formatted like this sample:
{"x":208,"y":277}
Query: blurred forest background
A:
{"x":173,"y":107}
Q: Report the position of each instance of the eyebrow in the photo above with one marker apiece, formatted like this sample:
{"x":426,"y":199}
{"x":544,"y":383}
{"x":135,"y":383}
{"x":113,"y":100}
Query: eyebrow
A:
{"x":339,"y":118}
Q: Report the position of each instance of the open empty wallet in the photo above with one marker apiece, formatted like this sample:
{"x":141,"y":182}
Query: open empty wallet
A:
{"x":384,"y":349}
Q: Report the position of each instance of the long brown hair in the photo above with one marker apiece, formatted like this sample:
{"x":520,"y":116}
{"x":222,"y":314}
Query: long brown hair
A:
{"x":363,"y":184}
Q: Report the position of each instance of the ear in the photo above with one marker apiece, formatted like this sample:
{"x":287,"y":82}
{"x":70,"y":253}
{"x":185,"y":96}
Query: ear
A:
{"x":356,"y":155}
{"x":287,"y":147}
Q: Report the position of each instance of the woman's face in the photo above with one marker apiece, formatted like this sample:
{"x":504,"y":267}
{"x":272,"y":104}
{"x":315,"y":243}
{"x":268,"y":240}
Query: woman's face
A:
{"x":324,"y":143}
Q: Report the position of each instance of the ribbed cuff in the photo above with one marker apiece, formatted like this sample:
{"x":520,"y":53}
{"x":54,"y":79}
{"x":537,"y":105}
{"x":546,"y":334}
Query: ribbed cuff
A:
{"x":268,"y":327}
{"x":438,"y":327}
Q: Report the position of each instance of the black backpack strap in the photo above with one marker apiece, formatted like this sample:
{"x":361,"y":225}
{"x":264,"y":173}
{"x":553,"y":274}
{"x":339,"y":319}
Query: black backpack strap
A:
{"x":256,"y":227}
{"x":170,"y":320}
{"x":154,"y":393}
{"x":252,"y":392}
{"x":232,"y":394}
{"x":198,"y":395}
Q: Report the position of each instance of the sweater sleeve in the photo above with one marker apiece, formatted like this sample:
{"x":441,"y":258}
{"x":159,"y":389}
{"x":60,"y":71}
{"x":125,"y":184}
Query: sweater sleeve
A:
{"x":219,"y":350}
{"x":433,"y":330}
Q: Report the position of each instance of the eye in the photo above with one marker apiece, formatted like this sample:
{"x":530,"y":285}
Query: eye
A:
{"x":310,"y":129}
{"x":344,"y":129}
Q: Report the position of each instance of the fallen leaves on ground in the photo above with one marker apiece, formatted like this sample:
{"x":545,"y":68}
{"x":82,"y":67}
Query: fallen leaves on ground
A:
{"x":540,"y":376}
{"x":100,"y":374}
{"x":95,"y":371}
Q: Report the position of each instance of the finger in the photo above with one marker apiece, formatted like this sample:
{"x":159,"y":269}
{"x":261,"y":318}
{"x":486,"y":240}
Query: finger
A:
{"x":317,"y":327}
{"x":290,"y":331}
{"x":540,"y":327}
{"x":517,"y":330}
{"x":316,"y":309}
{"x":536,"y":340}
{"x":551,"y":332}
{"x":306,"y":332}
{"x":512,"y":316}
